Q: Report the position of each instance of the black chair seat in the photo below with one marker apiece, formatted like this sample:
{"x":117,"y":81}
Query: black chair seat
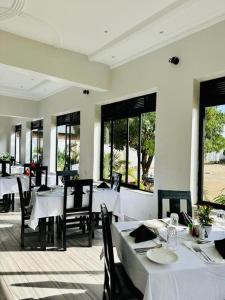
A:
{"x":125,"y":289}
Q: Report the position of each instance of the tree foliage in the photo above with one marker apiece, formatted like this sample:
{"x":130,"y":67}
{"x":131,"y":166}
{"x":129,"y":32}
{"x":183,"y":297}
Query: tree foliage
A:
{"x":214,"y":128}
{"x":147,"y":138}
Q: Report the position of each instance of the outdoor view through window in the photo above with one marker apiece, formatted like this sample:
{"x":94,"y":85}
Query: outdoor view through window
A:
{"x":131,"y":148}
{"x":214,"y":155}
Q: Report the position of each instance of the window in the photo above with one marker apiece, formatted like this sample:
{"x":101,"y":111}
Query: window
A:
{"x":37,"y":141}
{"x":18,"y":143}
{"x":128,"y":141}
{"x":68,"y":142}
{"x":211,"y":181}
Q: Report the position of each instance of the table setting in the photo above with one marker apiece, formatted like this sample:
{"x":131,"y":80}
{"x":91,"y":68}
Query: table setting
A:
{"x":168,"y":262}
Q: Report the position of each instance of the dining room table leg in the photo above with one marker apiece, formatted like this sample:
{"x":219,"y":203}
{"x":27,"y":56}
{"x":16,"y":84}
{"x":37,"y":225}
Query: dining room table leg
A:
{"x":42,"y":224}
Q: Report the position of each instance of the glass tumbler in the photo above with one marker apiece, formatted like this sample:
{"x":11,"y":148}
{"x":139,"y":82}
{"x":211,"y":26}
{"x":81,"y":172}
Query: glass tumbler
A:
{"x":172,"y":237}
{"x":174,"y":219}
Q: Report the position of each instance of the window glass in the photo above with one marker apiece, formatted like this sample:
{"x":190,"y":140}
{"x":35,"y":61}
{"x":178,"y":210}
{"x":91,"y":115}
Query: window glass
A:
{"x":119,"y":147}
{"x":214,"y":154}
{"x":130,"y":142}
{"x":107,"y":150}
{"x":147,"y":151}
{"x":133,"y":149}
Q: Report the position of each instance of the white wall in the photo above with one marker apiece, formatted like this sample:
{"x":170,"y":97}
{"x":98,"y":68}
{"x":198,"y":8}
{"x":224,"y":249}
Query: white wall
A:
{"x":177,"y":96}
{"x":201,"y":56}
{"x":5,"y":127}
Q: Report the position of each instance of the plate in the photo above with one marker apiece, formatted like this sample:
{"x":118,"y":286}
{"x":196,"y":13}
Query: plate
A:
{"x":162,"y":256}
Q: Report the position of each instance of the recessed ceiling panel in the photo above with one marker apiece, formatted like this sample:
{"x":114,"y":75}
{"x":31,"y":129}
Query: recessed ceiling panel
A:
{"x":25,"y":84}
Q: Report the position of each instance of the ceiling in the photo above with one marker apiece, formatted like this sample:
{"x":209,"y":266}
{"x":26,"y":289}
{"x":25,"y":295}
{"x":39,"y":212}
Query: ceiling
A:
{"x":111,"y":32}
{"x":20,"y":83}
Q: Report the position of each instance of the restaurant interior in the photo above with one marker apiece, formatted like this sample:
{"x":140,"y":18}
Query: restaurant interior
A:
{"x":112,"y":150}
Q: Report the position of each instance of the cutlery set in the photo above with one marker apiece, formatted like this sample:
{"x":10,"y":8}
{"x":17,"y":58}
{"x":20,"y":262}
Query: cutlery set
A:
{"x":197,"y":249}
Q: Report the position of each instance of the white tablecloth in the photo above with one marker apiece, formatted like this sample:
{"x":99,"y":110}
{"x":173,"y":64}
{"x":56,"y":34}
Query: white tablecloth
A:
{"x":189,"y":278}
{"x":8,"y":185}
{"x":49,"y":204}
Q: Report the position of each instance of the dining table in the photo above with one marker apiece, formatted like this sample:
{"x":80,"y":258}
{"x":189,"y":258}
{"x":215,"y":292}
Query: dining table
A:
{"x":50,"y":203}
{"x":8,"y":184}
{"x":190,"y":276}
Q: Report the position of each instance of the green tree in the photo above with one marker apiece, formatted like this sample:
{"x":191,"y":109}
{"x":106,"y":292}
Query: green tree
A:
{"x":214,"y":128}
{"x":147,"y":138}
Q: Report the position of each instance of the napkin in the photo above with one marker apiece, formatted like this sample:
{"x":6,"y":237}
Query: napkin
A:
{"x":103,"y":185}
{"x":185,"y":219}
{"x":5,"y":175}
{"x":142,"y":234}
{"x":220,"y":247}
{"x":43,"y":188}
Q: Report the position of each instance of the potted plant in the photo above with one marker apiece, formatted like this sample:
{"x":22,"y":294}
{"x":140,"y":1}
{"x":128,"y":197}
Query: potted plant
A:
{"x":204,"y":218}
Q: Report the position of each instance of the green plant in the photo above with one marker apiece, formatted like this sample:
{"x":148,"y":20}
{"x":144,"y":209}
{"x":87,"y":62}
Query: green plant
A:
{"x":5,"y":156}
{"x":204,"y":215}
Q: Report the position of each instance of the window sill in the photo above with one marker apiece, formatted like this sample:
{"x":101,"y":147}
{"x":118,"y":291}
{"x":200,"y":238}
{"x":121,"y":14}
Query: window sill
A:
{"x":137,"y":191}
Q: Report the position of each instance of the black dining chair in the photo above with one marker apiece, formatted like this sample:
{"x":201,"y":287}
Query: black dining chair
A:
{"x":117,"y":284}
{"x":25,"y":212}
{"x":66,"y":175}
{"x":78,"y":216}
{"x":37,"y":174}
{"x":8,"y":200}
{"x":175,"y":198}
{"x":116,"y":181}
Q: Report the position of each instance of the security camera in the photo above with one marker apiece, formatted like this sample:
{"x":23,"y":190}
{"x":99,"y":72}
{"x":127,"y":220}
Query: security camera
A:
{"x":174,"y":60}
{"x":86,"y":92}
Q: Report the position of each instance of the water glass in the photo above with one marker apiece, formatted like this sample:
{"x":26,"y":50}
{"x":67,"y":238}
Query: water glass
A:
{"x":174,"y":219}
{"x":172,"y":237}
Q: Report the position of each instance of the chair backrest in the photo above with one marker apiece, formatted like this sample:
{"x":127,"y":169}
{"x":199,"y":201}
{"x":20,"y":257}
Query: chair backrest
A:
{"x":175,"y":198}
{"x":66,"y":175}
{"x":82,"y":198}
{"x":36,"y":173}
{"x":108,"y":251}
{"x":4,"y":164}
{"x":116,"y":181}
{"x":24,"y":197}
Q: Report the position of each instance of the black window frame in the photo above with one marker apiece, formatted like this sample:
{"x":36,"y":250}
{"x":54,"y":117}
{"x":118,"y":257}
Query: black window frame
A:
{"x":18,"y":129}
{"x":36,"y":126}
{"x":125,"y":109}
{"x":212,"y":93}
{"x":70,"y":119}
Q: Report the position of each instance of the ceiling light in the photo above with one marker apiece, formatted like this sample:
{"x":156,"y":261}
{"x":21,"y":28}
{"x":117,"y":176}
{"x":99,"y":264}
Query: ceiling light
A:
{"x":161,"y":32}
{"x":106,"y":31}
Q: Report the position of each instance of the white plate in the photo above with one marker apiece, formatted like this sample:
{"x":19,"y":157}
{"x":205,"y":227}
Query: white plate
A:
{"x":162,"y":256}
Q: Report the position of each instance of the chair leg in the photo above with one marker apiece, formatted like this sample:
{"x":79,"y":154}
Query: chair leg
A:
{"x":13,"y":202}
{"x":91,"y":230}
{"x":22,"y":236}
{"x":64,"y":235}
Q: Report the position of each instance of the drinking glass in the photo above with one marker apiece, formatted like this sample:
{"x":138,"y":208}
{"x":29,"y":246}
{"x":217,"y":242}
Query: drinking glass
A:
{"x":174,"y":219}
{"x":172,"y":237}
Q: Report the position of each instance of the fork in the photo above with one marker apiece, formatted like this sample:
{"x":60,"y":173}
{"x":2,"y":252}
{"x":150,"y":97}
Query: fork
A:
{"x":204,"y":255}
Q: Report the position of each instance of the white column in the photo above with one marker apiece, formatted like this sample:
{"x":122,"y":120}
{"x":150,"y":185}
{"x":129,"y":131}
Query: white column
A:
{"x":49,"y":142}
{"x":90,"y":141}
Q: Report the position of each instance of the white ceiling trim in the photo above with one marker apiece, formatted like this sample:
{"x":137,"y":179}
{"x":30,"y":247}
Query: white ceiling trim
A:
{"x":14,"y":10}
{"x":119,"y":40}
{"x":169,"y":41}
